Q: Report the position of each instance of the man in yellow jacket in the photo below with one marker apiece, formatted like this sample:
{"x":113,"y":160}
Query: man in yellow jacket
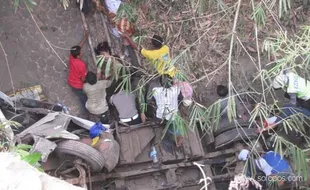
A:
{"x":159,"y":55}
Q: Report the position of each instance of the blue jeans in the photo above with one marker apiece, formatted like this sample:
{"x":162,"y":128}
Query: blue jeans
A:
{"x":173,"y":130}
{"x":82,"y":97}
{"x":289,"y":110}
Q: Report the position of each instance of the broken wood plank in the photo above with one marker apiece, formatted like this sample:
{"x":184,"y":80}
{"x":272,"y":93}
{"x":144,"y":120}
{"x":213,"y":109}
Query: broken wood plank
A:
{"x":192,"y":145}
{"x":133,"y":143}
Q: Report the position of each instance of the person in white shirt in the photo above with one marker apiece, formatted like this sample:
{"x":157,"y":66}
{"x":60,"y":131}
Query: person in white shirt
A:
{"x":167,"y":98}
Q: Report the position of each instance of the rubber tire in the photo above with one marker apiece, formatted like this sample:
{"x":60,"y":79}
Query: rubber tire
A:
{"x":234,"y":135}
{"x":81,"y":150}
{"x":230,"y":126}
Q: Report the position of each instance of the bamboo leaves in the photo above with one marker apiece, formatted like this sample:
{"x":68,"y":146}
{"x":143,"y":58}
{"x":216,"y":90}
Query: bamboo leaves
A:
{"x":289,"y":52}
{"x":65,"y":3}
{"x":284,"y":6}
{"x":259,"y":15}
{"x":107,"y":68}
{"x":28,"y":3}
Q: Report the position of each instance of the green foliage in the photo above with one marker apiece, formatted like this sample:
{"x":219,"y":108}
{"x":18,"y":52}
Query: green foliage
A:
{"x":111,"y":64}
{"x":65,"y":3}
{"x":23,"y":150}
{"x":289,"y":51}
{"x":28,"y":3}
{"x":298,"y":155}
{"x":176,"y":124}
{"x":32,"y":158}
{"x":259,"y":15}
{"x":284,"y":6}
{"x":197,"y":115}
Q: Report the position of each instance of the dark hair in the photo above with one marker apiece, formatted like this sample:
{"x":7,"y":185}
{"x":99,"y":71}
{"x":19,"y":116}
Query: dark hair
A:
{"x":157,"y":41}
{"x":103,"y":47}
{"x":165,"y":81}
{"x":75,"y":51}
{"x":222,"y":90}
{"x":276,"y":110}
{"x":91,"y":78}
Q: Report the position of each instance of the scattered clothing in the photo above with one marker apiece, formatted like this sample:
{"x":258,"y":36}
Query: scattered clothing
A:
{"x":97,"y":103}
{"x":160,"y":58}
{"x":125,"y":103}
{"x":77,"y":72}
{"x":166,"y":101}
{"x":118,"y":25}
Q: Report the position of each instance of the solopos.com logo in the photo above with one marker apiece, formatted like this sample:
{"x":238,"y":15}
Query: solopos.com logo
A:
{"x":288,"y":178}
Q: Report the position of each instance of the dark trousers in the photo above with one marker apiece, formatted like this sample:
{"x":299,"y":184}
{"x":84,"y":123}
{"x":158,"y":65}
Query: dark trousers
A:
{"x":105,"y":117}
{"x":300,"y":102}
{"x":82,"y":97}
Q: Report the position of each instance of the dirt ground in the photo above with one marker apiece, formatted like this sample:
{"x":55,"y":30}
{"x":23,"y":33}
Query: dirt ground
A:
{"x":30,"y":58}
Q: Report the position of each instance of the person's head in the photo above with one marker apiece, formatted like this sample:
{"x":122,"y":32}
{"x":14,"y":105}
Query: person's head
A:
{"x":91,"y":78}
{"x":103,"y":47}
{"x":75,"y":51}
{"x":278,"y":82}
{"x":157,"y":41}
{"x":165,"y":81}
{"x":222,"y":90}
{"x":243,"y":155}
{"x":275,"y":110}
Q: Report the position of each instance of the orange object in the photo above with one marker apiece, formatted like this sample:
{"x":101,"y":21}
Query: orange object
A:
{"x":124,"y":26}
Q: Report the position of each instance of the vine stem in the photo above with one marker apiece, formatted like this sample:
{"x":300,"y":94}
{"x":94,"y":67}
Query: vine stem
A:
{"x":8,"y":66}
{"x":258,"y":54}
{"x":231,"y":47}
{"x":90,"y":43}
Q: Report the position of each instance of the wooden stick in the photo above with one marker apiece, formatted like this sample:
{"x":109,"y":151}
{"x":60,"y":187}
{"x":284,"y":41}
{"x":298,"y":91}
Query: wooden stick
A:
{"x":106,"y":29}
{"x":89,"y":39}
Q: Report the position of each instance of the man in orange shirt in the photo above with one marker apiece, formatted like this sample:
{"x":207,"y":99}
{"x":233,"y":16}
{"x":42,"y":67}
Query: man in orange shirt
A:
{"x":78,"y":71}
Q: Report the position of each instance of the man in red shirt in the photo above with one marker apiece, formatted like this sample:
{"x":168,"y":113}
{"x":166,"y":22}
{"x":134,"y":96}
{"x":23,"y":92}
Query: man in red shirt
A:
{"x":77,"y":71}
